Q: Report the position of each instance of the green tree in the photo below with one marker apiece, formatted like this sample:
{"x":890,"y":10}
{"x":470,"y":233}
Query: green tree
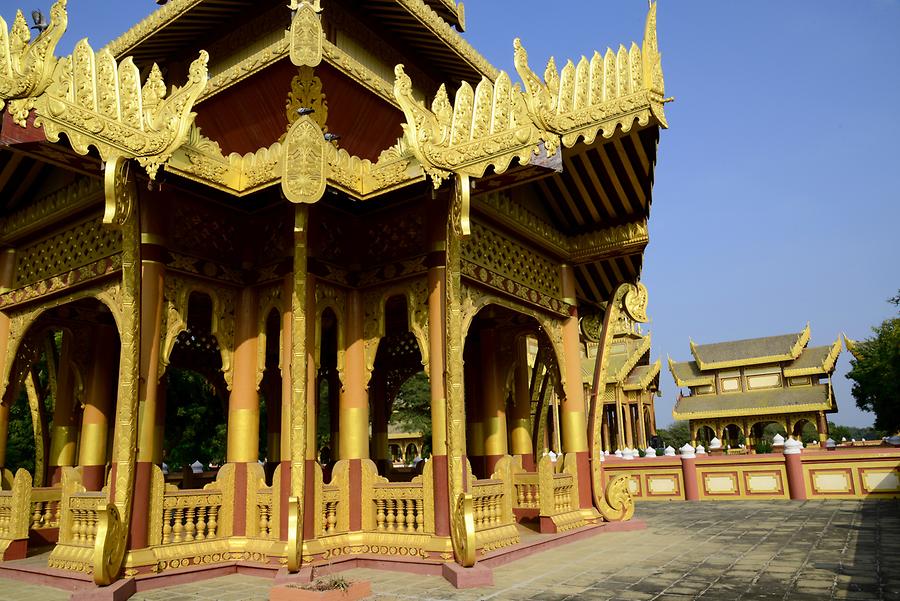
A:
{"x":195,"y":420}
{"x":875,"y":371}
{"x":675,"y":434}
{"x":412,"y":408}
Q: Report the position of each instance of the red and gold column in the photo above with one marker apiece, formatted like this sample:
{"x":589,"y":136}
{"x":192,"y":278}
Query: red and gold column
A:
{"x":7,"y":269}
{"x":287,"y":290}
{"x":99,"y":401}
{"x":493,"y":415}
{"x":354,"y":404}
{"x":574,"y":420}
{"x":64,"y":434}
{"x":520,"y":425}
{"x":243,"y":403}
{"x":437,"y":302}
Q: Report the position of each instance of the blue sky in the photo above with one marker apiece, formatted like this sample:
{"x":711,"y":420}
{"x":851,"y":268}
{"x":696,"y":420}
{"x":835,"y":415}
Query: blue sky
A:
{"x":776,"y":196}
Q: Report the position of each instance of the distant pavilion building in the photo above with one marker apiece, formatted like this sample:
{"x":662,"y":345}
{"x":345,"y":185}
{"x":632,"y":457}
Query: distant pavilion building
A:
{"x":739,"y":387}
{"x":631,"y":383}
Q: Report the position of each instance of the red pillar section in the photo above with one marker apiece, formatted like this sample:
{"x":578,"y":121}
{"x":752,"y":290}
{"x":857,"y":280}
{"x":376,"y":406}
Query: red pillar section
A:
{"x":794,"y":467}
{"x":689,"y":470}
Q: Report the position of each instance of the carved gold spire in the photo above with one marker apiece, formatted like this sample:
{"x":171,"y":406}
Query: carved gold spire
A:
{"x":26,"y":66}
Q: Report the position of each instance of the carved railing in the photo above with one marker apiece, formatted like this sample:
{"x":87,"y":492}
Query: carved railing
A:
{"x":563,"y":485}
{"x":191,"y":515}
{"x":488,"y":503}
{"x":399,"y":507}
{"x":45,"y":507}
{"x":14,"y":515}
{"x":82,"y":511}
{"x":332,"y":510}
{"x":266,"y":519}
{"x":552,"y":490}
{"x":528,"y":492}
{"x":263,"y":503}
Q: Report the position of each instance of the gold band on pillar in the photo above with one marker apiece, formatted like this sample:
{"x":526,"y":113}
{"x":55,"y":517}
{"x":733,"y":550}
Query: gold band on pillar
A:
{"x":64,"y":433}
{"x":354,"y":432}
{"x":92,"y":450}
{"x":494,"y":429}
{"x":152,"y":276}
{"x":243,"y":435}
{"x":436,"y":302}
{"x":475,"y":439}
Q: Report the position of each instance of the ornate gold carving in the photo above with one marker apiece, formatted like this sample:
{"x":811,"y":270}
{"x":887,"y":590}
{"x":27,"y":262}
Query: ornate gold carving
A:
{"x":109,"y":545}
{"x":76,"y":196}
{"x":304,"y":165}
{"x":78,"y":246}
{"x":306,"y":34}
{"x":97,"y":102}
{"x":120,"y":192}
{"x":591,"y":246}
{"x":26,"y":66}
{"x":306,"y":92}
{"x":485,"y":127}
{"x":298,"y":375}
{"x":635,"y":303}
{"x":617,"y":504}
{"x":599,"y":95}
{"x":15,"y":510}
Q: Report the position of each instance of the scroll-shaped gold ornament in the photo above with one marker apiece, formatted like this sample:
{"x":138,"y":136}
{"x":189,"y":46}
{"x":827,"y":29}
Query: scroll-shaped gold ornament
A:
{"x":109,"y":546}
{"x":462,"y":529}
{"x":120,"y":192}
{"x":303,"y":163}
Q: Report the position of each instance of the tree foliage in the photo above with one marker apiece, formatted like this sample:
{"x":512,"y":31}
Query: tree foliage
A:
{"x":875,"y":372}
{"x":412,"y":408}
{"x":195,"y":420}
{"x":675,"y":435}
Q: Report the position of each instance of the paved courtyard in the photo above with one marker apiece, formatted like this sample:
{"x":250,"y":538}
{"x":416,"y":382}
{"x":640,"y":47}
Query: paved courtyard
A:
{"x":738,"y":551}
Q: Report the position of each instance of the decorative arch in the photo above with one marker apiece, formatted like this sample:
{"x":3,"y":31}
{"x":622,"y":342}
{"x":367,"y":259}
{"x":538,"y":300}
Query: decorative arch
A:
{"x":177,"y":294}
{"x":329,"y":297}
{"x":374,"y":301}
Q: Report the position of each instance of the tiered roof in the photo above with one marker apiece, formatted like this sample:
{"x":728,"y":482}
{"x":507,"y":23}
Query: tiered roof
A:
{"x":788,"y":351}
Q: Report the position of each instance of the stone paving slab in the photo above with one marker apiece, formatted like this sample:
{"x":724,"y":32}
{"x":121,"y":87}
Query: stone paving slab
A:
{"x":715,"y":551}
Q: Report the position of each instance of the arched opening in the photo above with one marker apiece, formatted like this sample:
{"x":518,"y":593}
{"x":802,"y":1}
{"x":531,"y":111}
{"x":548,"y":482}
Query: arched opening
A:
{"x":512,"y":390}
{"x":399,"y":397}
{"x":805,"y":430}
{"x":192,"y":405}
{"x":703,"y":435}
{"x":732,"y":436}
{"x":61,"y":394}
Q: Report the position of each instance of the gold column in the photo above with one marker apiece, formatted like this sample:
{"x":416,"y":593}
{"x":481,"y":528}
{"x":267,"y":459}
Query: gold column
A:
{"x":63,"y":435}
{"x":620,"y":427}
{"x":520,"y":432}
{"x":629,"y":426}
{"x":574,"y":421}
{"x":100,"y":392}
{"x":7,"y":269}
{"x":159,"y":428}
{"x":605,"y":429}
{"x":312,"y":382}
{"x":354,"y":405}
{"x":641,"y":427}
{"x":243,"y":403}
{"x":436,"y":302}
{"x":493,"y":417}
{"x":152,"y":277}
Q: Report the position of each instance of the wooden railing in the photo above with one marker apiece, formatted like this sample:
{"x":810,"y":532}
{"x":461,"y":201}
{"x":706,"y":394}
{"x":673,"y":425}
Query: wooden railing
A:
{"x":190,"y":516}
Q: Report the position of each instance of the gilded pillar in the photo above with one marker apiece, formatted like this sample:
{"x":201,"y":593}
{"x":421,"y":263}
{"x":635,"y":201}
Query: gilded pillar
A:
{"x":159,"y":428}
{"x":620,"y":427}
{"x":641,"y":426}
{"x":99,"y":402}
{"x":7,"y":269}
{"x":628,"y":419}
{"x":474,"y":404}
{"x":354,"y":404}
{"x":312,"y":396}
{"x":822,"y":427}
{"x":574,"y":420}
{"x":520,"y":425}
{"x":493,"y":416}
{"x":436,"y":354}
{"x":243,"y":403}
{"x":64,"y":434}
{"x":605,"y":431}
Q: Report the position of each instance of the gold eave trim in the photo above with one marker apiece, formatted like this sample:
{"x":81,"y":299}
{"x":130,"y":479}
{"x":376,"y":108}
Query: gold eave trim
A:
{"x":826,"y":366}
{"x":702,"y":381}
{"x":152,"y":23}
{"x":647,"y":379}
{"x":751,"y":411}
{"x":630,"y":363}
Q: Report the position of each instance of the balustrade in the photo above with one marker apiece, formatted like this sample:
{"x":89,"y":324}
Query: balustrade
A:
{"x":264,"y":513}
{"x":487,"y":504}
{"x":562,"y":492}
{"x":83,"y":518}
{"x":6,"y":513}
{"x":528,"y":492}
{"x":399,"y":508}
{"x":192,"y":516}
{"x":45,"y":507}
{"x":331,"y":497}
